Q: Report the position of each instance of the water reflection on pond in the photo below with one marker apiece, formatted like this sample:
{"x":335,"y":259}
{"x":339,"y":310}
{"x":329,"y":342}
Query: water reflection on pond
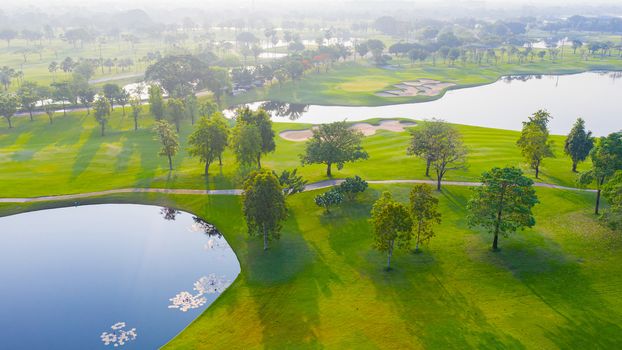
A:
{"x":107,"y":276}
{"x":504,"y":104}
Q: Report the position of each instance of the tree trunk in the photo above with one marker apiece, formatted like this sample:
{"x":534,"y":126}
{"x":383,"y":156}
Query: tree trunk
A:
{"x":427,"y":167}
{"x":265,"y":238}
{"x":9,"y":120}
{"x":418,"y":235}
{"x":207,"y":168}
{"x":390,"y":254}
{"x":30,"y":112}
{"x":439,"y":178}
{"x":574,"y":166}
{"x":328,"y":169}
{"x":170,"y":162}
{"x":537,"y":170}
{"x":102,"y":128}
{"x":135,"y":123}
{"x":494,"y":242}
{"x":64,"y":111}
{"x":220,"y":159}
{"x":597,"y":201}
{"x":259,"y":160}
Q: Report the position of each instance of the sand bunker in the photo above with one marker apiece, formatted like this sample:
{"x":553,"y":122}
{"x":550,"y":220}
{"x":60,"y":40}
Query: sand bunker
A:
{"x":366,"y":128}
{"x":419,"y":87}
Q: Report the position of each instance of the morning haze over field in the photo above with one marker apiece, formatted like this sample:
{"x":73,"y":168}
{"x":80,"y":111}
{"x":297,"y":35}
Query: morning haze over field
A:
{"x":310,"y":175}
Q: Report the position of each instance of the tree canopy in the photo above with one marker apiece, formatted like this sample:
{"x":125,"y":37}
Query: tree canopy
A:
{"x":391,"y":223}
{"x":334,"y":143}
{"x":209,"y":139}
{"x":424,"y":213}
{"x":579,"y":143}
{"x":178,"y":74}
{"x":503,"y":203}
{"x":264,"y":206}
{"x":168,"y":139}
{"x":534,"y":140}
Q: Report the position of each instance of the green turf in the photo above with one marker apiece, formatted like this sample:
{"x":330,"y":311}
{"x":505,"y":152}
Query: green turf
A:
{"x":323,"y":286}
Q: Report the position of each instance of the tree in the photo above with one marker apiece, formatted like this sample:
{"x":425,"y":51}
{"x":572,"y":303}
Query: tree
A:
{"x":135,"y":104}
{"x":8,"y":106}
{"x":264,"y":206}
{"x":579,"y":143}
{"x":503,"y":203}
{"x":423,"y":140}
{"x":218,"y":82}
{"x":61,"y":91}
{"x":111,"y":92}
{"x":191,"y":106}
{"x":534,"y":140}
{"x":291,"y":182}
{"x":391,"y":222}
{"x":209,"y":139}
{"x":334,"y":143}
{"x":86,"y":94}
{"x":175,"y":111}
{"x":329,"y":199}
{"x":122,"y":98}
{"x":28,"y":94}
{"x":8,"y":35}
{"x":102,"y":111}
{"x":156,"y":101}
{"x":612,"y":191}
{"x":606,"y":159}
{"x":447,"y":152}
{"x":178,"y":74}
{"x":169,"y":140}
{"x":246,"y":142}
{"x":351,"y":186}
{"x":261,"y":120}
{"x":424,"y":213}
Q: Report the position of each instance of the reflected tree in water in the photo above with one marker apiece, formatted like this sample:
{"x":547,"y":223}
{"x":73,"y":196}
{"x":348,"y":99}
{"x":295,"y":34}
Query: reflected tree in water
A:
{"x":169,"y":214}
{"x":293,"y":111}
{"x":205,"y":227}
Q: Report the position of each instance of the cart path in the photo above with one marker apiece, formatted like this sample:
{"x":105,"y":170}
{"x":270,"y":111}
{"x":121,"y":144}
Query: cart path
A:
{"x":237,"y":192}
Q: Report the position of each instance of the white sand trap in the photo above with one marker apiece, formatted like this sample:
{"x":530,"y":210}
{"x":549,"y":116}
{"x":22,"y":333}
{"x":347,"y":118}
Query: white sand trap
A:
{"x":366,"y":128}
{"x":419,"y":87}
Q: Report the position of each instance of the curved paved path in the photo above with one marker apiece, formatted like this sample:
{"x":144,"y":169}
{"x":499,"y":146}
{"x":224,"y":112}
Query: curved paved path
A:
{"x":237,"y":192}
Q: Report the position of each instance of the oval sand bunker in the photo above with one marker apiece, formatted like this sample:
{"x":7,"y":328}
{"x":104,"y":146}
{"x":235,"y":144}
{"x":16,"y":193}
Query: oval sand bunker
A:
{"x":366,"y":128}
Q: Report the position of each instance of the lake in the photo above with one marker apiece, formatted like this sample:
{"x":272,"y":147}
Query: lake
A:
{"x":107,"y":276}
{"x":504,"y":104}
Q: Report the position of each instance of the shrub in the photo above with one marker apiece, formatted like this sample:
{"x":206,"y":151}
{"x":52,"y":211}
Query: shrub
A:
{"x":328,"y":199}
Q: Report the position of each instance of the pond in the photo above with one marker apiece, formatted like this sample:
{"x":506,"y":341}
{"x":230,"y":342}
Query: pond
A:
{"x":504,"y":104}
{"x":107,"y":276}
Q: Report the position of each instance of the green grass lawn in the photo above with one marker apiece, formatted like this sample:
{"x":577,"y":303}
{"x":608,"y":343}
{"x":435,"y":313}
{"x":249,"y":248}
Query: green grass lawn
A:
{"x":70,"y":156}
{"x":355,"y":83}
{"x":323,"y":286}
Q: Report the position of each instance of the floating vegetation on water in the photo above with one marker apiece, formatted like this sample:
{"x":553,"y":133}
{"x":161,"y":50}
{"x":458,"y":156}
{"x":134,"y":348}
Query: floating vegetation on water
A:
{"x":119,"y":336}
{"x":210,"y":284}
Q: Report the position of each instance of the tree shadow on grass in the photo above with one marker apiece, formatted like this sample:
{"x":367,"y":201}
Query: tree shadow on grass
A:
{"x":438,"y":317}
{"x":285,"y":282}
{"x":557,"y":279}
{"x":87,"y":152}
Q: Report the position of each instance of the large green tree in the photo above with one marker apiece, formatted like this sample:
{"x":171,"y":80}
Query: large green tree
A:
{"x":168,"y":139}
{"x":606,"y":159}
{"x":503,"y":203}
{"x":178,"y":74}
{"x":175,"y":111}
{"x":264,"y":206}
{"x":111,"y":92}
{"x":218,"y":82}
{"x":334,"y":143}
{"x":209,"y":139}
{"x":534,"y":140}
{"x":579,"y":143}
{"x":246,"y":141}
{"x":101,"y":109}
{"x":424,"y":213}
{"x":260,"y":119}
{"x":391,"y":223}
{"x":8,"y":106}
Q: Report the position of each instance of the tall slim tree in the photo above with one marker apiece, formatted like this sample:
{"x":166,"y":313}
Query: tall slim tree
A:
{"x":156,"y":101}
{"x":503,"y":203}
{"x":424,"y":213}
{"x":101,"y":110}
{"x":534,"y":140}
{"x":606,"y":159}
{"x":579,"y":143}
{"x":111,"y":92}
{"x":135,"y":105}
{"x":168,"y":139}
{"x":264,"y":206}
{"x":246,"y":141}
{"x":175,"y":111}
{"x":334,"y":143}
{"x":261,"y":120}
{"x":209,"y":139}
{"x":447,"y":153}
{"x":391,"y":223}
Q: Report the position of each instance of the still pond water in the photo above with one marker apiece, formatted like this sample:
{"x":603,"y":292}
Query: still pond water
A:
{"x":504,"y":104}
{"x":127,"y":275}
